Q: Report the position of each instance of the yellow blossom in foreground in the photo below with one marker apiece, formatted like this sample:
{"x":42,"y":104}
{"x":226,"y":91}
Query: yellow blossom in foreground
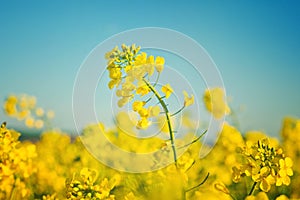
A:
{"x":265,"y":164}
{"x":285,"y":170}
{"x":84,"y":186}
{"x":16,"y":165}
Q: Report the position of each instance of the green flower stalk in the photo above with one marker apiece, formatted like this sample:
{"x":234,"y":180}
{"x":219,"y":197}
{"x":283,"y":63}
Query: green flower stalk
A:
{"x":163,"y":104}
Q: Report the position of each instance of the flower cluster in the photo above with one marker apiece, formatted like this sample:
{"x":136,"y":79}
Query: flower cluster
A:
{"x":134,"y":66}
{"x":265,"y":164}
{"x":130,"y":72}
{"x":84,"y":186}
{"x":16,"y":165}
{"x":24,"y":108}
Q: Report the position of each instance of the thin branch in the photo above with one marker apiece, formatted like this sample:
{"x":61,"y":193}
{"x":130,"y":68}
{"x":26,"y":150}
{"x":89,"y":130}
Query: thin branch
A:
{"x":188,"y":190}
{"x":195,"y":140}
{"x":253,"y":188}
{"x":177,"y":111}
{"x":156,"y":81}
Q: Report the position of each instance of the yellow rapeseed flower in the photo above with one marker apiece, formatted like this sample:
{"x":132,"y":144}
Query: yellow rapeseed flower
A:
{"x":167,"y":90}
{"x":285,"y":170}
{"x":115,"y":73}
{"x":23,"y":114}
{"x":39,"y":112}
{"x":265,"y":164}
{"x":285,"y":166}
{"x":123,"y":101}
{"x":236,"y":174}
{"x":114,"y":82}
{"x":29,"y":122}
{"x":150,"y":65}
{"x":138,"y":105}
{"x":188,"y":100}
{"x":159,"y":63}
{"x":10,"y":104}
{"x":141,"y":59}
{"x":143,"y":123}
{"x":39,"y":124}
{"x":142,"y":89}
{"x":143,"y":112}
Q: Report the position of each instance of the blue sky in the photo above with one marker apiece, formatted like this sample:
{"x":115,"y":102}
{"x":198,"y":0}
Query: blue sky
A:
{"x":255,"y":44}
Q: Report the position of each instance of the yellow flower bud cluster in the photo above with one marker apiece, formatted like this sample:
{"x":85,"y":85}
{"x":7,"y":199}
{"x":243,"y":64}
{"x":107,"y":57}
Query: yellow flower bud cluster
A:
{"x":127,"y":68}
{"x":24,"y":108}
{"x":16,"y":165}
{"x":85,"y":186}
{"x":130,"y":71}
{"x":265,"y":165}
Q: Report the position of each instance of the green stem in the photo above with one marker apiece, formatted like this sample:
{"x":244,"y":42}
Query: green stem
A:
{"x":204,"y":180}
{"x":192,"y":142}
{"x":232,"y":196}
{"x":252,"y":189}
{"x":13,"y":191}
{"x":178,"y":111}
{"x":156,"y":81}
{"x":163,"y":104}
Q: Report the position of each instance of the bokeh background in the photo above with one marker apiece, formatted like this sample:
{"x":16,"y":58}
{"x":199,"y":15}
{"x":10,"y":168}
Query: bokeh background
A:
{"x":255,"y":44}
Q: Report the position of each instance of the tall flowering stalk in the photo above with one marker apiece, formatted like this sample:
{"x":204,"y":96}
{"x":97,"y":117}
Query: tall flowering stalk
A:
{"x":130,"y":72}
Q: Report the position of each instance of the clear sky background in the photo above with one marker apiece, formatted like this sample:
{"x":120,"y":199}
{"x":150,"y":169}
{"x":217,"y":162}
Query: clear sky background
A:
{"x":255,"y":44}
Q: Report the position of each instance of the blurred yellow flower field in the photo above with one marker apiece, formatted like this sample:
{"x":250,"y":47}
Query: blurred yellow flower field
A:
{"x":247,"y":166}
{"x":46,"y":170}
